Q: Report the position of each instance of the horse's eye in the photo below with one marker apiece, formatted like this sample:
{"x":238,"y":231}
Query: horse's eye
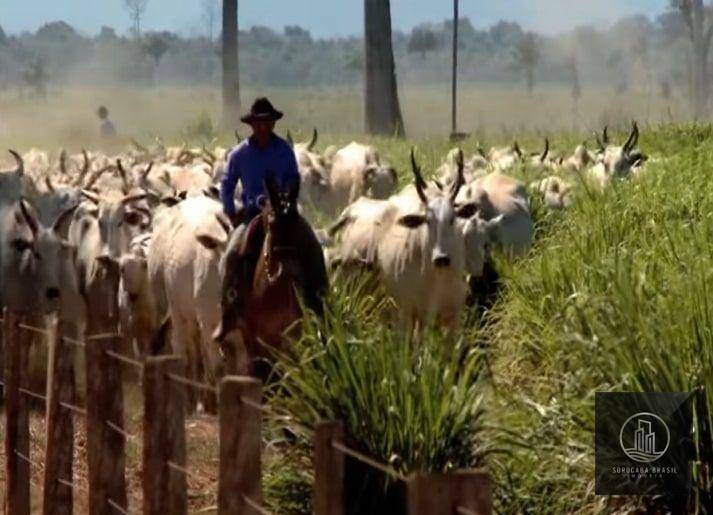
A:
{"x":232,"y":295}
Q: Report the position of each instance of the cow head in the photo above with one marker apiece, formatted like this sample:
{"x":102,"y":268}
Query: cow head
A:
{"x":118,"y":221}
{"x":480,"y":235}
{"x":133,"y":270}
{"x":619,"y":160}
{"x":439,"y":217}
{"x":379,"y":181}
{"x":38,"y":262}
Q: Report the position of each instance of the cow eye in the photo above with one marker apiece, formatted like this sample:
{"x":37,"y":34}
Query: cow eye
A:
{"x":412,"y":221}
{"x":21,"y":245}
{"x":132,"y":218}
{"x":467,"y":210}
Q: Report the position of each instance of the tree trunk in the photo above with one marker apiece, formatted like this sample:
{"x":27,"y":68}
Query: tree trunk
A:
{"x":701,"y":42}
{"x":231,"y":78}
{"x":383,"y":113}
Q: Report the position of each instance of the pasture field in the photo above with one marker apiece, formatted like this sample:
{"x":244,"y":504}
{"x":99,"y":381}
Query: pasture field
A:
{"x":614,"y":296}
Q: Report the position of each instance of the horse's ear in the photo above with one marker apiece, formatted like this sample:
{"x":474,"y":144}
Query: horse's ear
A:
{"x":294,"y":191}
{"x":271,"y":188}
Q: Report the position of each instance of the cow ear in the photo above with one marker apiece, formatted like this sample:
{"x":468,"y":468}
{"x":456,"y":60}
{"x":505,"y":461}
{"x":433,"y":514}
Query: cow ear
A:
{"x":466,"y":210}
{"x":412,"y":221}
{"x":209,"y":241}
{"x":492,"y":227}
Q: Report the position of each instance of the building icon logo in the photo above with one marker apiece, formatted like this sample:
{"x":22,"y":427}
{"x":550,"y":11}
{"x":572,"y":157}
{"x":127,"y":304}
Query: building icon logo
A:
{"x":644,"y":437}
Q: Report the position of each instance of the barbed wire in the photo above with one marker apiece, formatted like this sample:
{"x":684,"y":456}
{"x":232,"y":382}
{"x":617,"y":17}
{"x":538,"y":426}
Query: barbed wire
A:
{"x":190,"y":382}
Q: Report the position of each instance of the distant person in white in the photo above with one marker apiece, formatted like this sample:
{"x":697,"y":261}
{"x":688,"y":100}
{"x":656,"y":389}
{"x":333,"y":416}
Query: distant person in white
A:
{"x":107,"y":129}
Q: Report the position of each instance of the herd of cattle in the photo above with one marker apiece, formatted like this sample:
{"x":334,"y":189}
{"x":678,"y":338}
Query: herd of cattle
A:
{"x":133,"y":239}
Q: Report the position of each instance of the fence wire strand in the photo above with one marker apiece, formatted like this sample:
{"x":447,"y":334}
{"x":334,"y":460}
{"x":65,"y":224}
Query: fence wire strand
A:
{"x":27,"y":459}
{"x":32,"y":394}
{"x":72,"y":341}
{"x":178,"y":468}
{"x":125,"y":359}
{"x":37,"y":330}
{"x":255,"y":506}
{"x":368,"y":461}
{"x":103,"y":336}
{"x":189,"y":382}
{"x":74,"y":409}
{"x":464,"y":511}
{"x":119,"y":430}
{"x":117,"y":507}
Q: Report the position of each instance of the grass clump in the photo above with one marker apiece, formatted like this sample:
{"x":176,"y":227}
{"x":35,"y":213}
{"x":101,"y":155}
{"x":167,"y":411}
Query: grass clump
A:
{"x":414,"y":404}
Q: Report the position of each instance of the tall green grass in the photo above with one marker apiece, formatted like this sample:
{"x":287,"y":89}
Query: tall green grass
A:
{"x":614,"y":297}
{"x":407,"y":402}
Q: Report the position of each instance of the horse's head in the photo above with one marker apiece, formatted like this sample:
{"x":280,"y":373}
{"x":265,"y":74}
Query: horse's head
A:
{"x":280,"y":214}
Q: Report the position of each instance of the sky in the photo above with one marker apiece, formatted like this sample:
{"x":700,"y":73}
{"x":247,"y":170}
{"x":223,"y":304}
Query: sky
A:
{"x":323,"y":18}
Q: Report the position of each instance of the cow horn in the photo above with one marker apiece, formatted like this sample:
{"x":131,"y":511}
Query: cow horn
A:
{"x":516,"y":148}
{"x":122,"y":174}
{"x":62,"y":218}
{"x":20,"y":163}
{"x":63,"y":162}
{"x":481,"y":151}
{"x":139,"y":146}
{"x":460,"y":180}
{"x":599,"y":142}
{"x":85,"y":169}
{"x":633,"y":139}
{"x":95,"y":176}
{"x":546,"y":151}
{"x":30,"y":220}
{"x":418,"y":178}
{"x":210,"y":155}
{"x":133,"y":198}
{"x":605,"y":135}
{"x":48,"y":183}
{"x":313,"y":141}
{"x":237,"y":136}
{"x":146,"y":172}
{"x":90,"y":195}
{"x":289,"y":139}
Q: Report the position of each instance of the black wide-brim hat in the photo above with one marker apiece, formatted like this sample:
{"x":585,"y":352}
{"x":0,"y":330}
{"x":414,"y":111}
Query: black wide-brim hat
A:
{"x":261,"y":109}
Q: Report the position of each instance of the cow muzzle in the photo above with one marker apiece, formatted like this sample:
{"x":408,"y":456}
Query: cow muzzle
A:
{"x":441,"y":261}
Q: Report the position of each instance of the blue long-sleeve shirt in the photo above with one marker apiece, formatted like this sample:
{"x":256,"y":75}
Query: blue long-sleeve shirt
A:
{"x":248,"y":163}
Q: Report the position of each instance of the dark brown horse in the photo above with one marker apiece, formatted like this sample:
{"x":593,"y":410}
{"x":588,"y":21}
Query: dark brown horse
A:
{"x":266,"y":270}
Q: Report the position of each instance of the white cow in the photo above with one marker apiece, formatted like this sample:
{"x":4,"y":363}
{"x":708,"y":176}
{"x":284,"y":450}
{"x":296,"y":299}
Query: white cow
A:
{"x":357,"y":171}
{"x":137,"y":307}
{"x":183,"y":267}
{"x":497,"y":194}
{"x":422,"y":257}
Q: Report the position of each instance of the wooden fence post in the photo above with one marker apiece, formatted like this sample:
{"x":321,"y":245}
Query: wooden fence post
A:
{"x":240,"y":444}
{"x":59,"y":441}
{"x":164,"y":487}
{"x":17,"y":427}
{"x":105,"y":446}
{"x":328,"y":470}
{"x":444,"y":493}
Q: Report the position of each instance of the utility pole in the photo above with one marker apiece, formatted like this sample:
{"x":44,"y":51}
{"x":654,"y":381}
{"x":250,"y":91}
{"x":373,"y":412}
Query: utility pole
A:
{"x":455,"y":135}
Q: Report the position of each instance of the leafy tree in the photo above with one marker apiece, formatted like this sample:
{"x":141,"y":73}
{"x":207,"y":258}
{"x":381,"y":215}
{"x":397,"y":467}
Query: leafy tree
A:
{"x":527,"y":55}
{"x":36,"y":77}
{"x":699,"y":20}
{"x":136,"y":9}
{"x":156,"y":45}
{"x":57,"y":32}
{"x":422,"y":41}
